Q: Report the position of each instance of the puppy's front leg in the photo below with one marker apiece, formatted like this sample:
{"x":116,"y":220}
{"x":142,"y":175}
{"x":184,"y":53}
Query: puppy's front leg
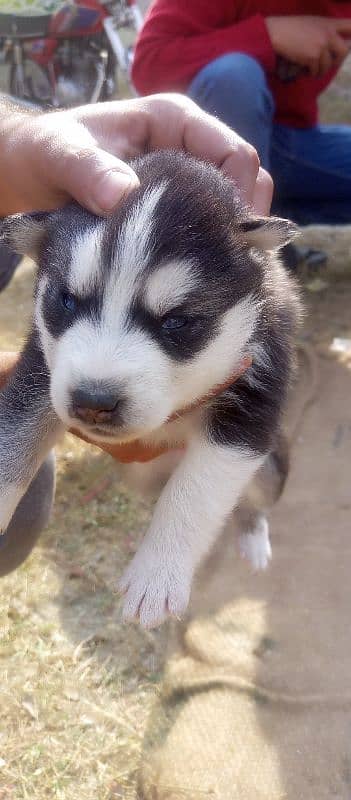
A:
{"x":29,"y":428}
{"x":188,"y":517}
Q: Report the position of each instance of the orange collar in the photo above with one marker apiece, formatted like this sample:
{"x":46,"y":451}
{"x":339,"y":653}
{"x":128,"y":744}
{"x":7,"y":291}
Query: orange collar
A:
{"x":137,"y":451}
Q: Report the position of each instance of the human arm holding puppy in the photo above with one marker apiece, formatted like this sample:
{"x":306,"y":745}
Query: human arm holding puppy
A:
{"x":46,"y":159}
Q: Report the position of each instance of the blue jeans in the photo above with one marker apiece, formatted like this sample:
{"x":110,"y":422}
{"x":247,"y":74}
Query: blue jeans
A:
{"x":311,"y":167}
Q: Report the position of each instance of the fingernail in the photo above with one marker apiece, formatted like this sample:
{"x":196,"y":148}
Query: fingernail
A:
{"x":111,"y":189}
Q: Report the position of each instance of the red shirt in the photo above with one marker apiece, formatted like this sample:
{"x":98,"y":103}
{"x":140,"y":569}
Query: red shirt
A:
{"x":180,"y":37}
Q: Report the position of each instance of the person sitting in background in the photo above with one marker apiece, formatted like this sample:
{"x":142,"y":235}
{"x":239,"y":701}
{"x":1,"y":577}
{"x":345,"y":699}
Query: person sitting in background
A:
{"x":260,"y":67}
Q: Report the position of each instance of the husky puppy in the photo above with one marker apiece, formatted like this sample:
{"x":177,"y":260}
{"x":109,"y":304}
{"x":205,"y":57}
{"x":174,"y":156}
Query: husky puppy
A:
{"x":139,"y":316}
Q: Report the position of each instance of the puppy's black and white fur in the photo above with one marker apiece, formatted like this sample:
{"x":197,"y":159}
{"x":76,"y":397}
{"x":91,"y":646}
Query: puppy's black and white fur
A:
{"x":136,"y":317}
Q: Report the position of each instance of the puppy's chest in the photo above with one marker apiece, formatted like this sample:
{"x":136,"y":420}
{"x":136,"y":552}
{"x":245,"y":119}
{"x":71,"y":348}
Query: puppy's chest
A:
{"x":174,"y":436}
{"x":177,"y":433}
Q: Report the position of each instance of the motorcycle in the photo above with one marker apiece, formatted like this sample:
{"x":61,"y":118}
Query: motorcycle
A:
{"x":72,"y":55}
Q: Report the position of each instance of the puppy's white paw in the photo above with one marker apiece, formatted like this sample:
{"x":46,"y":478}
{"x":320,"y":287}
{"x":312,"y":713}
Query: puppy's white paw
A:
{"x":154,"y":587}
{"x":255,"y":545}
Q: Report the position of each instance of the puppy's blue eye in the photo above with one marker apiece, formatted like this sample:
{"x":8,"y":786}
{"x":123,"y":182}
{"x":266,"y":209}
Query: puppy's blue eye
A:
{"x":69,"y":302}
{"x":174,"y":323}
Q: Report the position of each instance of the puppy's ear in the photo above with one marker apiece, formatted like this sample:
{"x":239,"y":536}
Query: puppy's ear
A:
{"x":268,"y":233}
{"x":24,"y":233}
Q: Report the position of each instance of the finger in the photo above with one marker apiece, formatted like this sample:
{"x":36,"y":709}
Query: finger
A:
{"x":326,"y":62}
{"x":71,"y":164}
{"x":339,"y":48}
{"x":242,"y":165}
{"x":121,"y":127}
{"x":208,"y":138}
{"x":176,"y":122}
{"x":97,"y":180}
{"x":263,"y":193}
{"x":313,"y":67}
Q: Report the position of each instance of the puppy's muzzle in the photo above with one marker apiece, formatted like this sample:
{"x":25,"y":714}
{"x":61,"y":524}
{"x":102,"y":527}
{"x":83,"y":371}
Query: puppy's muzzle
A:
{"x":95,"y":404}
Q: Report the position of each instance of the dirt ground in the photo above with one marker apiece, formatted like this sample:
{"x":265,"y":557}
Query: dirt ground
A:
{"x":76,"y":686}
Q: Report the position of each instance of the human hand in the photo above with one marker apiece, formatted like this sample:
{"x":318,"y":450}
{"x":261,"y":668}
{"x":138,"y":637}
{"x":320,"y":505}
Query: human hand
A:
{"x":48,"y":159}
{"x":317,"y":43}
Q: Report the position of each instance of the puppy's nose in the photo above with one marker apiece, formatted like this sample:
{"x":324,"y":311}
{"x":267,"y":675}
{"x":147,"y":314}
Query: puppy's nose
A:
{"x":94,"y":403}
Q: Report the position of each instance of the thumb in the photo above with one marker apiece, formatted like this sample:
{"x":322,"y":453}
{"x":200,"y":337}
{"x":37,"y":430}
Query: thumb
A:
{"x":96,"y":179}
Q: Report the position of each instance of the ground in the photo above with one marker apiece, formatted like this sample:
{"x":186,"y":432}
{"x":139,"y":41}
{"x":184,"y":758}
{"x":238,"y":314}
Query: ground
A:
{"x":77,"y":686}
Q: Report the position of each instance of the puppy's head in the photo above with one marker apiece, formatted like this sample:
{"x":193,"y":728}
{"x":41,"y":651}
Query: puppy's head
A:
{"x":141,"y":313}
